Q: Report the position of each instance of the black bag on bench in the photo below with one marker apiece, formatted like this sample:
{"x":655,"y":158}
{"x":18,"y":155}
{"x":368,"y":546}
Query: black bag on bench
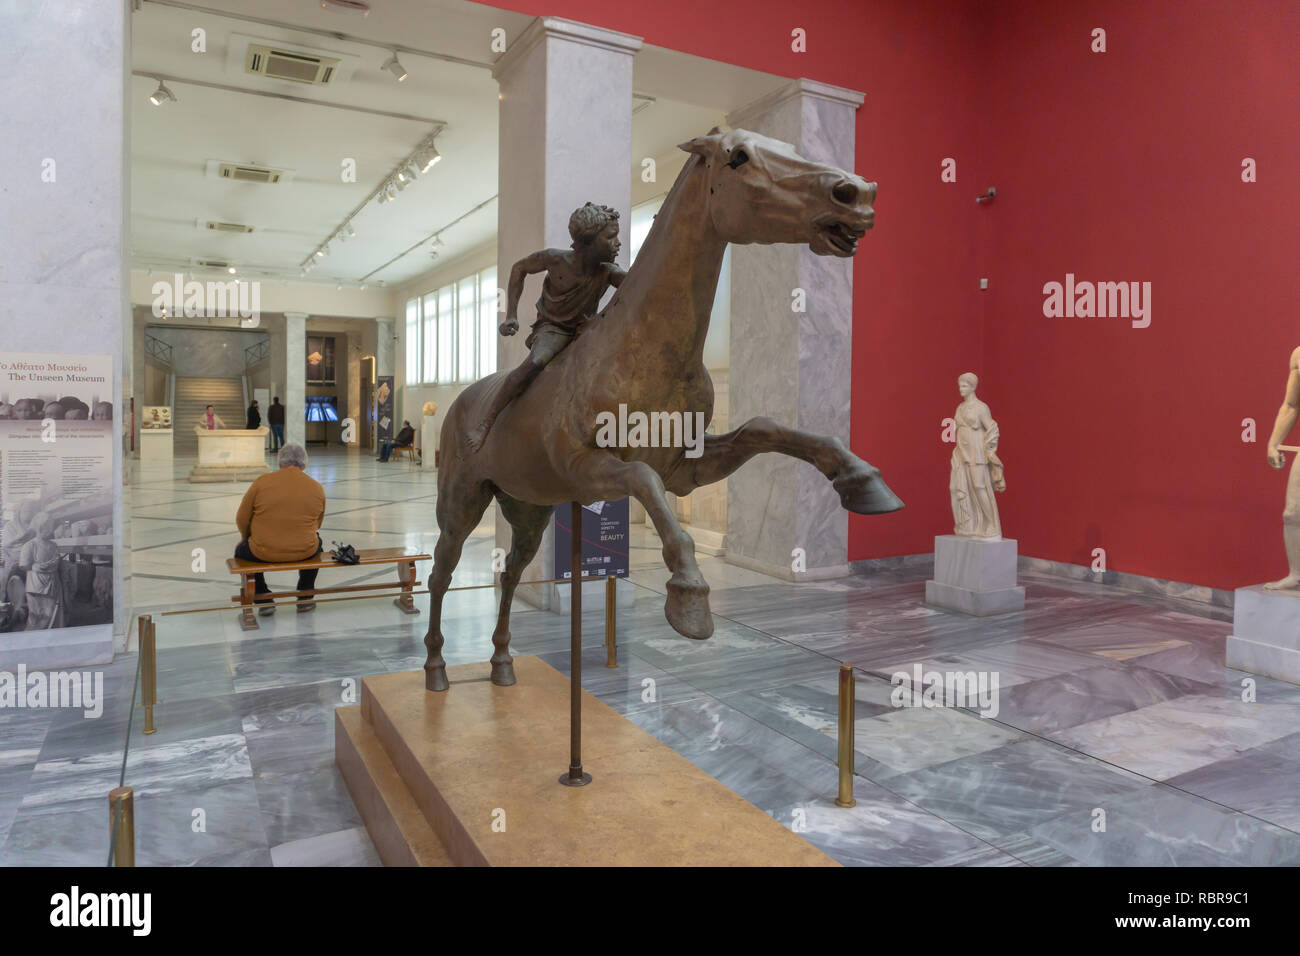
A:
{"x":345,"y":553}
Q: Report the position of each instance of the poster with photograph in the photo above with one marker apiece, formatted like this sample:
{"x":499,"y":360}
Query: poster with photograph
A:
{"x":384,"y":407}
{"x":604,"y":539}
{"x":56,"y":491}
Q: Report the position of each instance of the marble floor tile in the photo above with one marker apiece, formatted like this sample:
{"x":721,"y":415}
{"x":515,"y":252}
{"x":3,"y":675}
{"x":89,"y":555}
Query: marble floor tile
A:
{"x":912,"y":738}
{"x":1057,"y":703}
{"x":1263,"y":783}
{"x":301,"y":805}
{"x":185,"y":826}
{"x":73,"y":837}
{"x":1160,"y":827}
{"x":344,"y":848}
{"x":1180,"y":735}
{"x":882,"y":830}
{"x":998,"y":793}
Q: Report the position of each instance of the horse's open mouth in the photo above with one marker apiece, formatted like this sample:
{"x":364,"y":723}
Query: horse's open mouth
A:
{"x":840,"y":236}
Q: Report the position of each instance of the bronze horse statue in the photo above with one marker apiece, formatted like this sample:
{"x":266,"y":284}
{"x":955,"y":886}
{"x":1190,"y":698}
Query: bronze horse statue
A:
{"x":645,"y":350}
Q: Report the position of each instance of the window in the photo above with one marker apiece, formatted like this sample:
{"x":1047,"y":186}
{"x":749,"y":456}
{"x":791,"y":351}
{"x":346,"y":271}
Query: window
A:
{"x":643,"y":217}
{"x":430,"y":313}
{"x":467,"y":328}
{"x":413,"y":341}
{"x":488,"y":321}
{"x":456,"y":331}
{"x":447,"y":334}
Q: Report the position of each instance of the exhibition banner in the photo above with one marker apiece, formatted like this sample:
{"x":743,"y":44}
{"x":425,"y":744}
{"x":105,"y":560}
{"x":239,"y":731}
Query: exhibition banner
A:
{"x":604,"y":539}
{"x":56,"y":490}
{"x":384,"y":407}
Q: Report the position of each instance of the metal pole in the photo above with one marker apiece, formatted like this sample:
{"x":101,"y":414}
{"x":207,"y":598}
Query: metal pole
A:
{"x":575,"y":776}
{"x":845,"y":798}
{"x":611,"y":621}
{"x":148,"y":669}
{"x":121,"y":822}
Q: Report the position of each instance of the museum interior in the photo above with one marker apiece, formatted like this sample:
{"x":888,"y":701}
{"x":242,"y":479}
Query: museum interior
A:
{"x":728,"y":309}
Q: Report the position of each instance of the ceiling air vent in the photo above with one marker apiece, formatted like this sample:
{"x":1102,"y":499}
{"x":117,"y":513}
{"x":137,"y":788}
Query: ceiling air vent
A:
{"x":281,"y":64}
{"x":238,"y":227}
{"x":248,"y":174}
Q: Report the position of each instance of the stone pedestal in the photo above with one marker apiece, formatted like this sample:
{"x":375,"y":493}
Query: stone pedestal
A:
{"x":1265,"y":636}
{"x":975,"y":576}
{"x":469,"y":777}
{"x":230,"y":454}
{"x":156,"y":445}
{"x":429,"y":428}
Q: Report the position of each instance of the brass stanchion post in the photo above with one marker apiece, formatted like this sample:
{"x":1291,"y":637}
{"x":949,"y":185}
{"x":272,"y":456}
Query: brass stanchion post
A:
{"x":121,"y":822}
{"x":845,"y":797}
{"x":575,"y":776}
{"x":611,"y":621}
{"x":148,"y":669}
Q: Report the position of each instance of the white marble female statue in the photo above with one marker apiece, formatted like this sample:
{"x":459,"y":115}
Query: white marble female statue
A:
{"x":976,"y":470}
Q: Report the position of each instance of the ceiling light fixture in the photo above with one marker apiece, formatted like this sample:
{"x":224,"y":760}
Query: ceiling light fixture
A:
{"x":394,"y":67}
{"x":162,"y":95}
{"x":428,"y":156}
{"x":346,"y":6}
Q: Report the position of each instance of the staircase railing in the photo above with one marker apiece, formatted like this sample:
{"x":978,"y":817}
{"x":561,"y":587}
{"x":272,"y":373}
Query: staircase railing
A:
{"x":256,"y":353}
{"x":157,"y":349}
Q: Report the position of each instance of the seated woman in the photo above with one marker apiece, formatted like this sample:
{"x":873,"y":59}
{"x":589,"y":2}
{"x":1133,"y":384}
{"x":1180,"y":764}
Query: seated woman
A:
{"x":278,"y":520}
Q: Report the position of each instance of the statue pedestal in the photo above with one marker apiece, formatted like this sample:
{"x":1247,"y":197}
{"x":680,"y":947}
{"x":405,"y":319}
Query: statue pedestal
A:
{"x":975,"y":576}
{"x":1265,"y":636}
{"x":469,"y":777}
{"x":230,"y":454}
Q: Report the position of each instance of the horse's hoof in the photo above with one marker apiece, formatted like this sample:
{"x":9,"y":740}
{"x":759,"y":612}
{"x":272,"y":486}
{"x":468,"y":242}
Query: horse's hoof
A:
{"x":503,"y":674}
{"x":687,"y":609}
{"x":862,"y":491}
{"x":435,"y":678}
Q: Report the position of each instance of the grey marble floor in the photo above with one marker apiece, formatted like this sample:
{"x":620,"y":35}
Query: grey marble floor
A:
{"x":1120,"y":737}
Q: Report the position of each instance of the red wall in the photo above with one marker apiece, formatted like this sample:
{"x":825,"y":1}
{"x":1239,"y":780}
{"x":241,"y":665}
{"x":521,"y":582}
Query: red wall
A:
{"x":1116,"y":166}
{"x":1127,"y":166}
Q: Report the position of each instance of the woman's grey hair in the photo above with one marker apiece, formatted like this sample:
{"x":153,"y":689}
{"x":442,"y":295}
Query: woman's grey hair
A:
{"x":293,"y":455}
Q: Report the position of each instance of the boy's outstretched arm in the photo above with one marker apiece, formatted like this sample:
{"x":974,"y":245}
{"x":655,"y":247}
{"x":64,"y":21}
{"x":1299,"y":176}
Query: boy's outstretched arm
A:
{"x":529,"y":265}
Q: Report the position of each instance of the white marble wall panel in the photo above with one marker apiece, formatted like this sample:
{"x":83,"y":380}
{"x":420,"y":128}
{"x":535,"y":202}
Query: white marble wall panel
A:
{"x":63,"y":201}
{"x":295,"y":373}
{"x":794,"y":367}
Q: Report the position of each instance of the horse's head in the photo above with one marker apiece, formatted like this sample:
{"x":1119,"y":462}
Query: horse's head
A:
{"x":762,"y":191}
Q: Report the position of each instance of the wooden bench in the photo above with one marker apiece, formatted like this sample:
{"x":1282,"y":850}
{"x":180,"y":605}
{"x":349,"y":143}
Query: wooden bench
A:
{"x":248,"y":569}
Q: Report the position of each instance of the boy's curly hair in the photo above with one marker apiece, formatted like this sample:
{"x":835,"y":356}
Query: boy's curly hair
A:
{"x":589,"y":221}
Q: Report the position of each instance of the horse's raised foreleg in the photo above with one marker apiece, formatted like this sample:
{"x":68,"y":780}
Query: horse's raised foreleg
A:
{"x":857,"y":483}
{"x":605,"y":476}
{"x":460,"y":506}
{"x":527,"y":524}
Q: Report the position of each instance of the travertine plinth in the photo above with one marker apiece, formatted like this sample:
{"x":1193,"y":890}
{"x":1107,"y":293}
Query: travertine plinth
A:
{"x":481,"y":763}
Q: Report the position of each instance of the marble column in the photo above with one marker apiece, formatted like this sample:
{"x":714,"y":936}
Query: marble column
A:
{"x":565,"y":138}
{"x":385,"y":347}
{"x":295,"y":377}
{"x":385,"y":364}
{"x":63,"y":276}
{"x":793,"y":366}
